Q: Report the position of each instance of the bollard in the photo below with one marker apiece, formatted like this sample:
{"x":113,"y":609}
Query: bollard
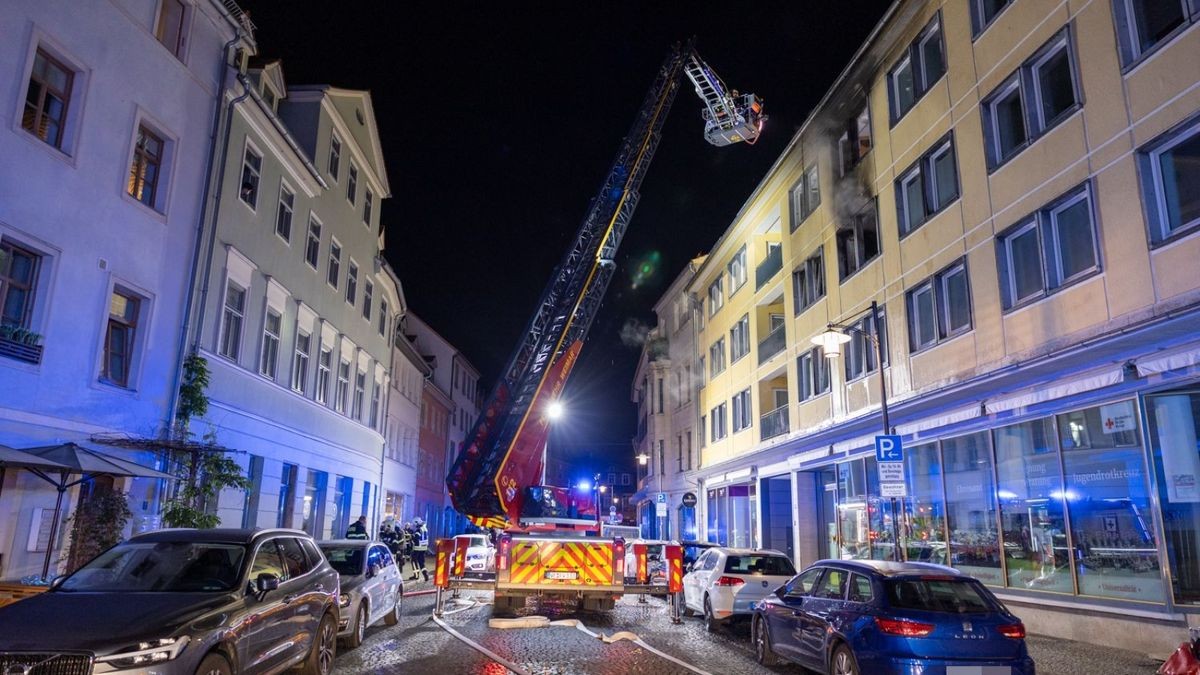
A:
{"x":441,"y":573}
{"x":674,"y":555}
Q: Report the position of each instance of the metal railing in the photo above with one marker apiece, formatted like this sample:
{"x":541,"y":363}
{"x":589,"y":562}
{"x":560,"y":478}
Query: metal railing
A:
{"x":769,"y":267}
{"x":771,"y":345}
{"x":774,"y":423}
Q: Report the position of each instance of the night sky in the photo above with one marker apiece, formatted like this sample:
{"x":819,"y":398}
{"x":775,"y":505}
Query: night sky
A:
{"x":499,"y":121}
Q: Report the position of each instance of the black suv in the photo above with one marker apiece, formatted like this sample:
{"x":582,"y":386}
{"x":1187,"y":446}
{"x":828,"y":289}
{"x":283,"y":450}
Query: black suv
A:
{"x":213,"y":602}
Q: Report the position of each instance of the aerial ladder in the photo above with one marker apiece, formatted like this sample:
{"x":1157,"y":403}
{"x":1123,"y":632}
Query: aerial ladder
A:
{"x":495,"y":479}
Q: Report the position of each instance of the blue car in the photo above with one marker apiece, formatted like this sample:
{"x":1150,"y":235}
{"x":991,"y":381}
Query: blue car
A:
{"x":849,"y":617}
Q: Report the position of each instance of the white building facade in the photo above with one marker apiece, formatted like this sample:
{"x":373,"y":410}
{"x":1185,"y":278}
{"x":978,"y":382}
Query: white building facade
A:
{"x":408,"y":373}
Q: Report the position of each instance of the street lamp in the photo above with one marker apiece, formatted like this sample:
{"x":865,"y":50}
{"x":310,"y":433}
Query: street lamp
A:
{"x":831,"y":342}
{"x":642,"y":459}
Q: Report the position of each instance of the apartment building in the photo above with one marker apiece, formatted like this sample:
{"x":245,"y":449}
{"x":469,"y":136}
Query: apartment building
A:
{"x":107,"y":109}
{"x":293,"y":309}
{"x":432,"y":440}
{"x":400,"y":461}
{"x":666,"y":444}
{"x":1006,"y":196}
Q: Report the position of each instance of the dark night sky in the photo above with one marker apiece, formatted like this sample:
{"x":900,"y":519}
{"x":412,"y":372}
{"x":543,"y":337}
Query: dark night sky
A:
{"x":499,"y":121}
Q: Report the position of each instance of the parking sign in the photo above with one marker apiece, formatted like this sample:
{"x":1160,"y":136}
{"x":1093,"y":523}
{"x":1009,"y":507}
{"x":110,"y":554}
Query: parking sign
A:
{"x":888,"y":449}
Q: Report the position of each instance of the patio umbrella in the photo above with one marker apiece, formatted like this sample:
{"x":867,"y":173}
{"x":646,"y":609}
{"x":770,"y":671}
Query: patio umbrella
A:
{"x":15,"y":459}
{"x":77,"y":460}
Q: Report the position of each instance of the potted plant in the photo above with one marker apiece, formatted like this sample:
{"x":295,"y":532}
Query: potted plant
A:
{"x":31,"y":338}
{"x":6,"y":331}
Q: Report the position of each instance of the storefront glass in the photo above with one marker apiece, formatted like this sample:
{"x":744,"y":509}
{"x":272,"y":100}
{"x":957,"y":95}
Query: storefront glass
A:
{"x":718,"y":500}
{"x":971,"y":513}
{"x":1174,"y":428}
{"x":827,"y":543}
{"x":854,"y":529}
{"x":743,"y":516}
{"x":882,"y":526}
{"x":1108,"y":500}
{"x":776,"y":501}
{"x":1036,"y":552}
{"x":923,"y":529}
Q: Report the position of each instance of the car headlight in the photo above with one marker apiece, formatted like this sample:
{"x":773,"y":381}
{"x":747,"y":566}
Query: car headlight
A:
{"x":146,"y":653}
{"x":344,"y":600}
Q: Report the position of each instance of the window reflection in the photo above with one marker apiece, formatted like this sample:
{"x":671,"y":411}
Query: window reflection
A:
{"x":923,"y":526}
{"x":1174,"y":428}
{"x":971,"y":507}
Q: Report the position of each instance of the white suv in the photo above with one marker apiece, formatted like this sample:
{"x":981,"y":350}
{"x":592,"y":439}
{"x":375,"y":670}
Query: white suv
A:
{"x":726,"y":582}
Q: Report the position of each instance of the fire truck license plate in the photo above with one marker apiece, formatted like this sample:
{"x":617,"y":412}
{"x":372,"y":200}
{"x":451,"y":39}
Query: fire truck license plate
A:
{"x":562,"y":575}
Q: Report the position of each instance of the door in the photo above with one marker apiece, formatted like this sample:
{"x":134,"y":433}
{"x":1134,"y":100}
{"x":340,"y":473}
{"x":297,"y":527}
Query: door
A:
{"x":265,"y":642}
{"x":376,"y":588}
{"x":784,"y":619}
{"x":826,"y":597}
{"x":304,"y":606}
{"x":391,"y":582}
{"x":698,"y":579}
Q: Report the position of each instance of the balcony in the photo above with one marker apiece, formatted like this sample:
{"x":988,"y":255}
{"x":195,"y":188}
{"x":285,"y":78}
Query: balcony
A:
{"x":771,"y":345}
{"x":774,"y":423}
{"x":769,"y":267}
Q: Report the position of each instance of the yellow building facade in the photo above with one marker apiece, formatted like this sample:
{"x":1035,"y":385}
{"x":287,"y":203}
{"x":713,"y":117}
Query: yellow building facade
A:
{"x":1016,"y":186}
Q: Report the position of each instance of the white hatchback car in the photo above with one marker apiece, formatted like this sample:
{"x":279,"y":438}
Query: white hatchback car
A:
{"x":726,"y":582}
{"x":481,"y":555}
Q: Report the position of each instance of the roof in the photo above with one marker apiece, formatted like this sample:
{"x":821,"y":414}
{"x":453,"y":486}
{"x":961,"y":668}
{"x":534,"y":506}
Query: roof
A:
{"x":889,"y":568}
{"x":216,"y":536}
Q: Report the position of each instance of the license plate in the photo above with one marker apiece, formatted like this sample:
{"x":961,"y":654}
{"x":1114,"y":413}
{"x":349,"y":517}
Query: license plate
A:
{"x":978,"y":670}
{"x":564,"y":575}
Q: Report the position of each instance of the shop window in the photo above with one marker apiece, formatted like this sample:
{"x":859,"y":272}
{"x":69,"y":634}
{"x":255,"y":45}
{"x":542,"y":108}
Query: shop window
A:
{"x":1174,"y":423}
{"x":808,"y":281}
{"x":1108,"y":500}
{"x":1170,"y":173}
{"x":924,"y":531}
{"x":971,"y":511}
{"x":1032,"y":501}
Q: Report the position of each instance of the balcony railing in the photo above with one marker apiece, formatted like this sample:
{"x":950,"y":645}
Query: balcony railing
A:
{"x":21,"y":350}
{"x":771,"y":345}
{"x":774,"y":423}
{"x":769,"y":267}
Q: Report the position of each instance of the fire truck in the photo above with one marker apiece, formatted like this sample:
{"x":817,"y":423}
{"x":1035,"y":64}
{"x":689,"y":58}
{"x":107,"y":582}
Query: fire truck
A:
{"x":551,"y":546}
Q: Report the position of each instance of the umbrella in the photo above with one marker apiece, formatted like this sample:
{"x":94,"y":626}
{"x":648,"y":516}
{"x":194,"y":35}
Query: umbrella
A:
{"x":74,"y":459}
{"x":15,"y":459}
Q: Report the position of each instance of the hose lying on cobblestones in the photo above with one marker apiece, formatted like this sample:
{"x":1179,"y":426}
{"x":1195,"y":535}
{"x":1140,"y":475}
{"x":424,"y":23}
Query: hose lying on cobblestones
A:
{"x":480,"y":648}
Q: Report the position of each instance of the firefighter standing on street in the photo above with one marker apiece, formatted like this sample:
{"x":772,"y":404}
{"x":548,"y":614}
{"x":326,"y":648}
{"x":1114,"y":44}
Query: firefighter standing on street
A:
{"x":420,"y":548}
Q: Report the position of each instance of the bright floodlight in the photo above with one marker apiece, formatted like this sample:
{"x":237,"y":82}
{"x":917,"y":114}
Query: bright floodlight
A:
{"x":555,"y":410}
{"x":585,"y":485}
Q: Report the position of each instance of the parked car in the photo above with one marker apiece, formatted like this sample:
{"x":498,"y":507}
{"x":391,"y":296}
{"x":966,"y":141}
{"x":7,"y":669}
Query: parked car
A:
{"x":183,"y":601}
{"x":481,"y":555}
{"x":371,"y":586}
{"x":693,"y":549}
{"x":724,"y":583}
{"x":656,"y":560}
{"x":870,"y":616}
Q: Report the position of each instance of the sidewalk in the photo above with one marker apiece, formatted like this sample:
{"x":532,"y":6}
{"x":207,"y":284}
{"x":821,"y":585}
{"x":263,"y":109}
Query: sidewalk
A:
{"x":1055,"y":656}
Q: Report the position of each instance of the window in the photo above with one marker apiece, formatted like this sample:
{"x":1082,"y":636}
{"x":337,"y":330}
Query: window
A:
{"x":983,"y":11}
{"x":335,"y":264}
{"x":1053,"y":248}
{"x":717,"y":416}
{"x":855,"y":141}
{"x":18,"y":278}
{"x":861,"y":353}
{"x":146,"y":168}
{"x":343,"y":386}
{"x":812,"y":372}
{"x":269,"y":359}
{"x":741,"y":410}
{"x":374,"y":420}
{"x":1142,"y":25}
{"x":939,"y":307}
{"x":383,"y":317}
{"x":352,"y":283}
{"x":368,"y":204}
{"x":294,"y":560}
{"x":923,"y":64}
{"x":170,"y":30}
{"x":231,"y":321}
{"x":283,"y":218}
{"x":335,"y":156}
{"x":716,"y":357}
{"x":119,"y":337}
{"x":739,"y":339}
{"x":352,"y":183}
{"x":47,"y":98}
{"x":1037,"y":97}
{"x":360,"y":389}
{"x":251,"y":170}
{"x":660,"y":395}
{"x":300,"y":362}
{"x":324,"y":367}
{"x":971,"y":510}
{"x":808,"y":281}
{"x":679,"y":453}
{"x":716,"y":296}
{"x":927,"y":187}
{"x":858,"y":242}
{"x":805,"y":196}
{"x":737,"y":271}
{"x":368,"y":291}
{"x":312,"y":248}
{"x":1170,"y":173}
{"x":832,"y":585}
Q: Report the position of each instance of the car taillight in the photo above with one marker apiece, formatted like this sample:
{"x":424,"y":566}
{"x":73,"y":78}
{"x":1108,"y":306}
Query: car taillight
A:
{"x":502,"y":553}
{"x":904,"y":628}
{"x":1015,"y":631}
{"x":729,"y":581}
{"x":619,"y":558}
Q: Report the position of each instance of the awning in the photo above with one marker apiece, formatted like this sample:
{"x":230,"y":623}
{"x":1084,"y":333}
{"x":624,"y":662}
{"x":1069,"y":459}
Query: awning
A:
{"x":1172,"y":360}
{"x":1057,"y":389}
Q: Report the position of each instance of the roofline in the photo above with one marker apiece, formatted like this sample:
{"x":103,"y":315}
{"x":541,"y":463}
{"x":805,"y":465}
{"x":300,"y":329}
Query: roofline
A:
{"x":325,"y":90}
{"x":455,"y":351}
{"x":283,"y":130}
{"x":430,"y":385}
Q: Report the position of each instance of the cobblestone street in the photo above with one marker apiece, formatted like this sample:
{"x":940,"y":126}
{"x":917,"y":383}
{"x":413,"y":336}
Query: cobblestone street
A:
{"x":418,"y":645}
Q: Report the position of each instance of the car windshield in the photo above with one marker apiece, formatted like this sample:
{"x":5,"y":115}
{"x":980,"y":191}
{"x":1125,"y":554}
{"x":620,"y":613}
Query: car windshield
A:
{"x":167,"y":566}
{"x":771,"y":565}
{"x":476,"y":541}
{"x":347,"y":560}
{"x":957,"y":596}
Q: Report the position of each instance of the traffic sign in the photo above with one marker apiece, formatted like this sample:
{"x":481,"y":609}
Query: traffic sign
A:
{"x":893,"y":490}
{"x":689,"y":499}
{"x":660,"y":510}
{"x":662,"y":498}
{"x":891,"y":472}
{"x":888,"y":449}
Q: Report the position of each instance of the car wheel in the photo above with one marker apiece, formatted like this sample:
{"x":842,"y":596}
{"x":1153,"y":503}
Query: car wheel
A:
{"x":843,"y":662}
{"x":393,"y":617}
{"x":762,"y":643}
{"x":358,"y":631}
{"x":214,"y":664}
{"x":324,"y":648}
{"x":710,"y":622}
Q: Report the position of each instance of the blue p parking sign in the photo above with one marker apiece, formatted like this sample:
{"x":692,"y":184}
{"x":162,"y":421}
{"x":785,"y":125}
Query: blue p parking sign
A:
{"x":888,"y":449}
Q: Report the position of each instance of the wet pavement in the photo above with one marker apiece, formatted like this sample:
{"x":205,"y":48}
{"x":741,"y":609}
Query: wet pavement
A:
{"x":418,"y":645}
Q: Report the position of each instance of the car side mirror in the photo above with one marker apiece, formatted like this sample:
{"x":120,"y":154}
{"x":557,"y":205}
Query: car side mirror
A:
{"x":687,"y":568}
{"x":57,"y":581}
{"x":265,"y":583}
{"x":372,"y":570}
